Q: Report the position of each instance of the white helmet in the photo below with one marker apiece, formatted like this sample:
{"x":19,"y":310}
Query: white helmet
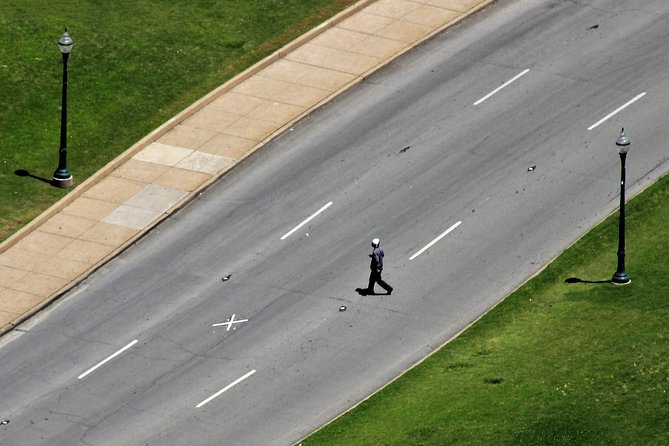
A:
{"x":375,"y":242}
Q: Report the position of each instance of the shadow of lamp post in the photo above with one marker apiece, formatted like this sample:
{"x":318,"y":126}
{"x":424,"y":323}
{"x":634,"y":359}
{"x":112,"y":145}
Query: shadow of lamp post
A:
{"x":62,"y":176}
{"x":620,"y":277}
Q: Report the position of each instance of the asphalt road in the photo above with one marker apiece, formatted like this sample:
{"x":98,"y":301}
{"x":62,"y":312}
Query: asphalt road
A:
{"x":405,"y":157}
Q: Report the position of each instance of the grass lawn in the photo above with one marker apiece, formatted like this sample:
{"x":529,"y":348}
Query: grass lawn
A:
{"x":133,"y":66}
{"x":556,"y":363}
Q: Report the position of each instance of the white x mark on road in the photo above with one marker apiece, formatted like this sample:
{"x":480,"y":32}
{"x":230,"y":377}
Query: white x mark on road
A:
{"x":230,"y":322}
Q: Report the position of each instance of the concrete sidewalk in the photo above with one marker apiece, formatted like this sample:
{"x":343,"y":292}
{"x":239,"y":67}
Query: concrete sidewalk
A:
{"x":109,"y":211}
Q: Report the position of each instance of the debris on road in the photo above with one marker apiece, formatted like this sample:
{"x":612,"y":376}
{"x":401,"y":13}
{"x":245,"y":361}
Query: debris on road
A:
{"x":342,"y":308}
{"x":226,"y":278}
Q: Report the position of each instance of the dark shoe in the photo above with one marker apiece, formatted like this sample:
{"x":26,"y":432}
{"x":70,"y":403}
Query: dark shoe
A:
{"x":390,"y":291}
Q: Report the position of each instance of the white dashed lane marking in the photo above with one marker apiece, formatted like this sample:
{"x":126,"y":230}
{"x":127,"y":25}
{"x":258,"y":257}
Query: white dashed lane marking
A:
{"x":226,"y":388}
{"x":429,"y":245}
{"x":505,"y":84}
{"x":314,"y":215}
{"x":109,"y":358}
{"x":618,"y":110}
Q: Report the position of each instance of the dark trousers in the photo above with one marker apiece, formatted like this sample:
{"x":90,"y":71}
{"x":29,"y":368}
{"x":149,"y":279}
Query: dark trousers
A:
{"x":374,"y":278}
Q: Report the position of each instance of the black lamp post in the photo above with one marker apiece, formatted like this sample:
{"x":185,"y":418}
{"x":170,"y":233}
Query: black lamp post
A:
{"x":620,"y":277}
{"x":62,"y":176}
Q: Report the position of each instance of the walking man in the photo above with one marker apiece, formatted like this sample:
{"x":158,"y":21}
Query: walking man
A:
{"x":376,"y":267}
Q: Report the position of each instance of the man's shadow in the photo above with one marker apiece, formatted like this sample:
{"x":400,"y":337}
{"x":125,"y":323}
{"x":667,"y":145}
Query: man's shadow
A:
{"x":25,"y":173}
{"x":366,"y":292}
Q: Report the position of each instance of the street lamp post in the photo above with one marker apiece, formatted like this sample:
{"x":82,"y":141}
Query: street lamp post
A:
{"x":62,"y":176}
{"x":620,"y":277}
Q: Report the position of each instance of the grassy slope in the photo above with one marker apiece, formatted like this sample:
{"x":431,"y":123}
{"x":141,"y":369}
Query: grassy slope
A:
{"x":133,"y":66}
{"x":555,"y":363}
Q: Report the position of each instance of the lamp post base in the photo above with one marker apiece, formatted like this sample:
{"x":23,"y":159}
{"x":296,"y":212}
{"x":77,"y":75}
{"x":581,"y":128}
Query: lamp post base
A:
{"x":63,"y":183}
{"x":621,"y":279}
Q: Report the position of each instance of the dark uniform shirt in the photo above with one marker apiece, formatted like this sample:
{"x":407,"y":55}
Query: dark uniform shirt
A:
{"x":377,"y":260}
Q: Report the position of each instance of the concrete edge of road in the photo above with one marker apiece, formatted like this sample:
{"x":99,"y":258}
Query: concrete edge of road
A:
{"x":171,"y":123}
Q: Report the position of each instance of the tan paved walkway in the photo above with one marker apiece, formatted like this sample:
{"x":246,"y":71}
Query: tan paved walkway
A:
{"x":107,"y":212}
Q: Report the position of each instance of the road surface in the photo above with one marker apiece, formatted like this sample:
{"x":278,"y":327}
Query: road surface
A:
{"x":476,"y":159}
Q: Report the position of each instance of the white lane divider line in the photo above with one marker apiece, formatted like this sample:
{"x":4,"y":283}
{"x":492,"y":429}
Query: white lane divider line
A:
{"x":618,"y":110}
{"x":100,"y":364}
{"x":505,"y":84}
{"x":228,"y":387}
{"x":314,"y":215}
{"x":230,"y":322}
{"x":429,"y":245}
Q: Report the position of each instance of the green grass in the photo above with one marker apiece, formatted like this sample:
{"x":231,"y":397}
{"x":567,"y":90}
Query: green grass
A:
{"x":133,"y":66}
{"x":556,"y":363}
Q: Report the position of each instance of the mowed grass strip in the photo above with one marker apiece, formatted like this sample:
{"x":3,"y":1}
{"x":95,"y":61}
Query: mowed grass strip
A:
{"x":133,"y":66}
{"x":556,"y":363}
